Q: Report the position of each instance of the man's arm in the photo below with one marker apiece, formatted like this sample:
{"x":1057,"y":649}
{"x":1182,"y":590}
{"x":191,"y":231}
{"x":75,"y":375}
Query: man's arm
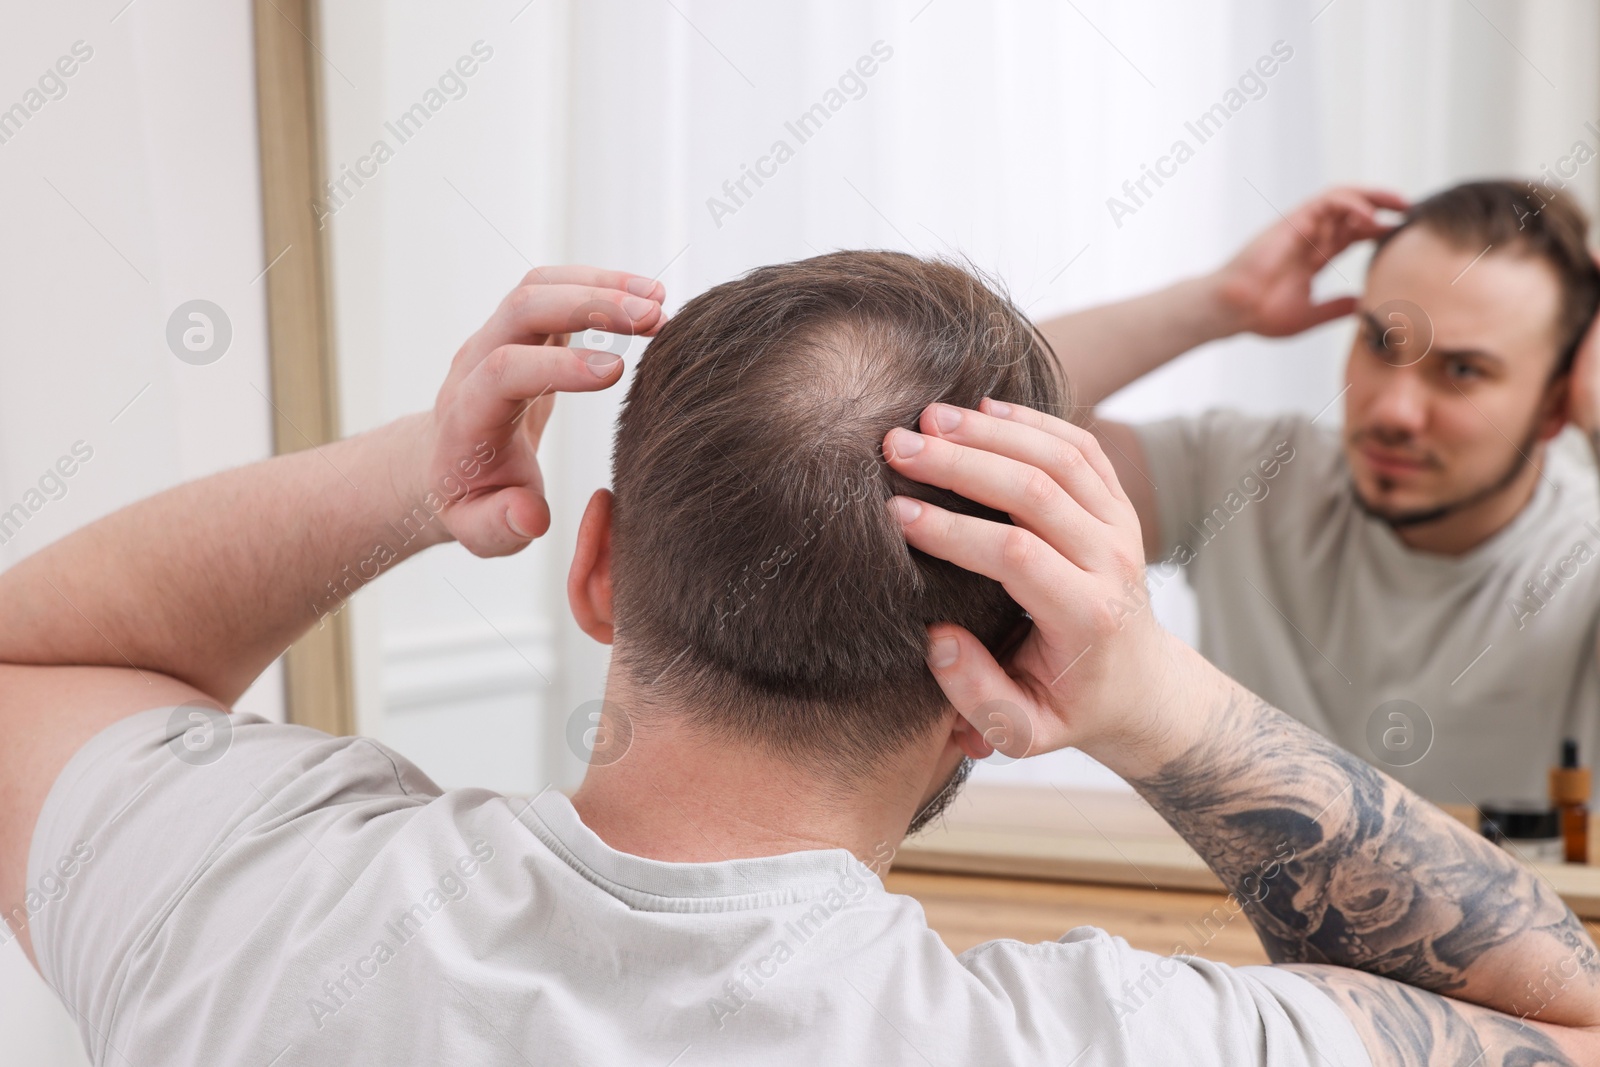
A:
{"x":190,"y":594}
{"x":1264,"y":289}
{"x":1436,"y":939}
{"x":1335,"y":863}
{"x":1103,"y":348}
{"x":1402,"y":1026}
{"x":209,"y":582}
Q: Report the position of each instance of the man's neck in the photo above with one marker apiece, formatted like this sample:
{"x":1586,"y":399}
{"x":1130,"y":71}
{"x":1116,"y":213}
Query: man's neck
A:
{"x":1460,"y":532}
{"x":681,"y":796}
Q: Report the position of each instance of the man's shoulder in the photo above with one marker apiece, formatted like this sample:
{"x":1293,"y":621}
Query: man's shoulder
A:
{"x":1225,"y":436}
{"x":1248,"y":456}
{"x":1571,"y":469}
{"x":1145,"y":1006}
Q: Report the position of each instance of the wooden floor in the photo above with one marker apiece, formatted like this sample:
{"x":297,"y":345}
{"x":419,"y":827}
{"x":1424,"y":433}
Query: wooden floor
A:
{"x":967,"y":909}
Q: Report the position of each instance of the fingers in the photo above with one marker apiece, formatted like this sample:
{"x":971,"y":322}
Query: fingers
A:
{"x":1382,"y":198}
{"x":1035,"y":574}
{"x":495,"y":392}
{"x":1076,"y":436}
{"x":1033,"y":497}
{"x":1341,"y":217}
{"x":501,"y":522}
{"x":594,"y":277}
{"x":981,"y":691}
{"x":1358,"y":202}
{"x":536,"y":310}
{"x":1342,"y":221}
{"x":1332,"y":309}
{"x":1064,"y":458}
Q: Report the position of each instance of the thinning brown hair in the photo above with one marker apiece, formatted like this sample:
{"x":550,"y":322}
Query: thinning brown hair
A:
{"x":759,"y":580}
{"x":1530,"y":218}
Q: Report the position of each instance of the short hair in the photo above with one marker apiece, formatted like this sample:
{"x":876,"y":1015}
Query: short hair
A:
{"x":758,"y":576}
{"x":1528,"y":217}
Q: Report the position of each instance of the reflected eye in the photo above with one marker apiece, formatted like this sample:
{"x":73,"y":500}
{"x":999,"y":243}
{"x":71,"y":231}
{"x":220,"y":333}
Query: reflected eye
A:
{"x":1386,"y":344}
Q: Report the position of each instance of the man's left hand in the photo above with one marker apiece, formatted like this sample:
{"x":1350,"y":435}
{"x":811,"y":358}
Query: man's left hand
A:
{"x":492,"y":409}
{"x":1266,"y":288}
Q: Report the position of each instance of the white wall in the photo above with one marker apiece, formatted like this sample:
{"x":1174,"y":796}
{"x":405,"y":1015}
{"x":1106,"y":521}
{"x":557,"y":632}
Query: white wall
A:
{"x":134,"y":192}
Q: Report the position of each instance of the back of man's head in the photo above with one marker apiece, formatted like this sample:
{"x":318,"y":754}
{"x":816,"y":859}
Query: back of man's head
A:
{"x":1520,"y":218}
{"x":759,"y":581}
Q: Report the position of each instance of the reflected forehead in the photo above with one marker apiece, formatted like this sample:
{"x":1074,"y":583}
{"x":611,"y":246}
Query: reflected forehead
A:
{"x":1498,"y":301}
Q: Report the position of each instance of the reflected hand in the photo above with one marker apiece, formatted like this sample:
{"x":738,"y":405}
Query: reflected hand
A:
{"x":1266,"y":287}
{"x":493,"y":406}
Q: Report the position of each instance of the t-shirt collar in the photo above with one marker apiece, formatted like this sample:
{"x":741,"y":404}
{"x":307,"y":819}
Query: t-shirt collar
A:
{"x":728,"y":885}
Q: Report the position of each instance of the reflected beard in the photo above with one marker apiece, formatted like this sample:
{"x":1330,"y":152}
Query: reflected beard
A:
{"x":940,"y":802}
{"x":1400,"y":519}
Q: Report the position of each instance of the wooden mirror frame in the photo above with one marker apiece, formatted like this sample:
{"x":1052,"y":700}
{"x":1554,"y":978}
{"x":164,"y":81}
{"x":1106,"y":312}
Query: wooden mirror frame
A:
{"x":318,"y":686}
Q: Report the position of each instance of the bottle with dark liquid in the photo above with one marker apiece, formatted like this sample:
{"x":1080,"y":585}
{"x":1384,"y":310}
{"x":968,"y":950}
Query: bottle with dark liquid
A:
{"x":1569,"y":794}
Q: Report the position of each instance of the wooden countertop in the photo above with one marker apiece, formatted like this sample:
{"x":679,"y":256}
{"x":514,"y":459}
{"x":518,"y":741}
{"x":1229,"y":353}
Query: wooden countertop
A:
{"x":966,"y":910}
{"x":1031,"y":862}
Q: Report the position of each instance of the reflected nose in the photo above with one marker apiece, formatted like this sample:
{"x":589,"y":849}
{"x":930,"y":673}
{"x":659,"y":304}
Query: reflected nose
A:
{"x":1399,"y":411}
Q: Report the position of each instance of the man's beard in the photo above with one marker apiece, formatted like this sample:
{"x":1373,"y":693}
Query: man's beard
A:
{"x":940,"y":802}
{"x":1400,"y":519}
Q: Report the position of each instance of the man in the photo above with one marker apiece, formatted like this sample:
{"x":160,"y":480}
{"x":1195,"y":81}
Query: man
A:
{"x":1418,"y":585}
{"x":709,"y":895}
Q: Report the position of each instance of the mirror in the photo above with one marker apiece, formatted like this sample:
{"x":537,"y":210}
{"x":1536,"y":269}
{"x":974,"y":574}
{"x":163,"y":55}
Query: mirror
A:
{"x":1082,"y":156}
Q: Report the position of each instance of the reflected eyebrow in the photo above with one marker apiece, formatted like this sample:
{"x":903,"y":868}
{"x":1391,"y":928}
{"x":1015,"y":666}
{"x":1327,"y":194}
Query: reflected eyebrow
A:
{"x":1370,"y":322}
{"x":1471,"y":353}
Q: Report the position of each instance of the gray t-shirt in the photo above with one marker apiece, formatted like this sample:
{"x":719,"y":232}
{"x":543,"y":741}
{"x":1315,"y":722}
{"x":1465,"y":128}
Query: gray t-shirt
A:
{"x":1324,"y":612}
{"x":306,"y":899}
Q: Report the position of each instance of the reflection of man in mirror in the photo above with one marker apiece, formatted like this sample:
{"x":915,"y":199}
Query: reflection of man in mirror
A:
{"x":1441,"y":550}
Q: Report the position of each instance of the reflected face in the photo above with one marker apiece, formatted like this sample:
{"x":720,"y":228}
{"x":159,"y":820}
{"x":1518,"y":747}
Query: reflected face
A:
{"x":1449,"y":377}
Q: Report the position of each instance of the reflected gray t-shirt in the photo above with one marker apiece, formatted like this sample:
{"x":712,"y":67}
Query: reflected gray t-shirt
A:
{"x":1459,"y":675}
{"x":306,"y":899}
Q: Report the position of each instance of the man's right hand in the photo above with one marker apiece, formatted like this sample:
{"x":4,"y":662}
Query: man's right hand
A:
{"x":1266,"y":287}
{"x":1435,"y":937}
{"x":1097,"y":671}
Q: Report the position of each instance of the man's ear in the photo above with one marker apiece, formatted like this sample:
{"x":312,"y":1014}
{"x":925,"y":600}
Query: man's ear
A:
{"x":589,"y":580}
{"x":969,"y":738}
{"x":1553,"y":414}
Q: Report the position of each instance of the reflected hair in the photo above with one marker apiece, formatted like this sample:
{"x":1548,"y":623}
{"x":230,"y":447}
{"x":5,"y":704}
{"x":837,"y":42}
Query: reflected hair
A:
{"x":1527,"y":217}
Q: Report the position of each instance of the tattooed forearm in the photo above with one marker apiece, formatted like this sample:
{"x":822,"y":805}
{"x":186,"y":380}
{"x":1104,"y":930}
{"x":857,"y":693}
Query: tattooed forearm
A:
{"x":1335,"y":862}
{"x":1402,"y":1026}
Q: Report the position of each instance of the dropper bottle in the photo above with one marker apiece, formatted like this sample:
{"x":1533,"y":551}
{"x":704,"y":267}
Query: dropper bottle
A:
{"x":1569,"y":794}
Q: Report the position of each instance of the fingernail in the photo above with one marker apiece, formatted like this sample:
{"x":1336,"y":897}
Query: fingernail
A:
{"x":637,"y":308}
{"x":641,"y":286}
{"x":999,"y":410}
{"x":946,"y":417}
{"x":942,"y":652}
{"x":516,"y":529}
{"x":906,"y":509}
{"x":601,"y":363}
{"x":905,"y":443}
